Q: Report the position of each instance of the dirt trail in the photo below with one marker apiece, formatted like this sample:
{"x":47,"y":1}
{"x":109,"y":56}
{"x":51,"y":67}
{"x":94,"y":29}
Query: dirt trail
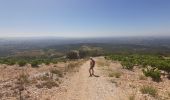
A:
{"x":82,"y":87}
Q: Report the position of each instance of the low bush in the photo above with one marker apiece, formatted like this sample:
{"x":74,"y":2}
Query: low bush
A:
{"x":47,"y":84}
{"x":127,"y":65}
{"x":57,"y":72}
{"x":23,"y":79}
{"x":155,"y":61}
{"x":73,"y":54}
{"x":115,"y":74}
{"x":11,"y":63}
{"x":149,"y":90}
{"x":153,"y":73}
{"x":34,"y":64}
{"x":132,"y":97}
{"x":111,"y":74}
{"x":142,"y":77}
{"x":34,"y":61}
{"x":22,"y":63}
{"x":45,"y":77}
{"x":7,"y":61}
{"x":73,"y":66}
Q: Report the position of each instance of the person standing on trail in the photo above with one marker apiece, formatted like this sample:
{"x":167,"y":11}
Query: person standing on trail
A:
{"x":92,"y":64}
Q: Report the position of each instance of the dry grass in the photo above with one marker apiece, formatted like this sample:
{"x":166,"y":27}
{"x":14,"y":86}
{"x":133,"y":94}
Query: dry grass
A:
{"x":103,"y":62}
{"x":44,"y":77}
{"x":23,"y":79}
{"x":73,"y":66}
{"x":142,"y":77}
{"x":132,"y":97}
{"x":114,"y":82}
{"x":33,"y":81}
{"x":149,"y":90}
{"x":59,"y":73}
{"x":47,"y":81}
{"x":115,"y":74}
{"x":168,"y":94}
{"x":22,"y":82}
{"x":1,"y":95}
{"x":47,"y":84}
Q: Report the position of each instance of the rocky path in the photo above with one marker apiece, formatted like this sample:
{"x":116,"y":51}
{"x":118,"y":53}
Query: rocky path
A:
{"x":82,"y":87}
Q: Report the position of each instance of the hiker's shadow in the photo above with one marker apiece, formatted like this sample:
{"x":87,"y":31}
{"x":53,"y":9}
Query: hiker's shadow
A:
{"x":96,"y":75}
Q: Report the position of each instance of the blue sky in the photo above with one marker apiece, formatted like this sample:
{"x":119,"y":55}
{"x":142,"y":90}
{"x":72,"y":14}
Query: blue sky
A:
{"x":84,"y":18}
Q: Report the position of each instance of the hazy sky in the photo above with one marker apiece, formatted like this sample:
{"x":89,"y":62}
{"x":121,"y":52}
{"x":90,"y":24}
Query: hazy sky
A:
{"x":84,"y":18}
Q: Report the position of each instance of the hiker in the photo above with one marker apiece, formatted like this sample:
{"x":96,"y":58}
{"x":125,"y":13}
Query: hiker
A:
{"x":92,"y":64}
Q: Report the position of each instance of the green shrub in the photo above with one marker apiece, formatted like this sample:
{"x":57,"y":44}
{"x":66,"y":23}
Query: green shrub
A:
{"x":153,"y":73}
{"x":57,"y":72}
{"x":128,"y":65}
{"x":34,"y":64}
{"x":149,"y":90}
{"x":54,"y":61}
{"x":128,"y":61}
{"x":22,"y":63}
{"x":47,"y":62}
{"x":11,"y":62}
{"x":8,"y":61}
{"x":73,"y":54}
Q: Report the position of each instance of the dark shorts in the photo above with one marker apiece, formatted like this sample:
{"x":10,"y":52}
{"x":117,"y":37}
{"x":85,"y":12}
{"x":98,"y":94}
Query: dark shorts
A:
{"x":91,"y":67}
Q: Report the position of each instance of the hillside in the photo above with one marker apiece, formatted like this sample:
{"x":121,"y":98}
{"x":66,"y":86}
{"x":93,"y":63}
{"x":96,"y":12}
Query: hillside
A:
{"x":70,"y":80}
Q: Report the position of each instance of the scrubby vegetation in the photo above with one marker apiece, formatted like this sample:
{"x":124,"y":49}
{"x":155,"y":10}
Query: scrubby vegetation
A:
{"x":34,"y":61}
{"x":149,"y":90}
{"x":115,"y":74}
{"x":23,"y":79}
{"x":57,"y":72}
{"x":127,"y":64}
{"x":22,"y":63}
{"x":47,"y":84}
{"x":73,"y":66}
{"x":34,"y":64}
{"x":74,"y":54}
{"x":151,"y":64}
{"x":153,"y":73}
{"x":21,"y":83}
{"x":142,"y":77}
{"x":132,"y":97}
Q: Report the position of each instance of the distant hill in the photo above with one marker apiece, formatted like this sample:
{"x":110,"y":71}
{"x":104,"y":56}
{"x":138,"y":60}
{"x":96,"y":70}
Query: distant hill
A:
{"x":12,"y":46}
